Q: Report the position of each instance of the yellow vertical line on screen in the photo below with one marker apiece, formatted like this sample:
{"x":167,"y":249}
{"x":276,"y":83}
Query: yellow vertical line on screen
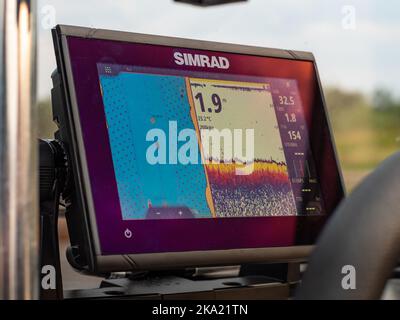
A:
{"x":193,"y":115}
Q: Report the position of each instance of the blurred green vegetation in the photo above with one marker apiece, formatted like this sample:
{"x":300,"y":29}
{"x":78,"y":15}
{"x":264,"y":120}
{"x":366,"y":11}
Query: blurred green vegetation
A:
{"x":366,"y":129}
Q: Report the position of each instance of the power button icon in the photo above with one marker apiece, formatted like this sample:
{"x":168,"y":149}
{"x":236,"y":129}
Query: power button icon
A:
{"x":128,"y":234}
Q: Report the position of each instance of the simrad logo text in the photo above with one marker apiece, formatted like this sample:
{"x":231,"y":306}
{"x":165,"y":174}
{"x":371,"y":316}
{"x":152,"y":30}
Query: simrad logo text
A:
{"x":199,"y":60}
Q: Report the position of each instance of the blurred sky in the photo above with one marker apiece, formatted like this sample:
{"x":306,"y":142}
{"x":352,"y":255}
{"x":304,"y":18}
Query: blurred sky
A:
{"x":360,"y":56}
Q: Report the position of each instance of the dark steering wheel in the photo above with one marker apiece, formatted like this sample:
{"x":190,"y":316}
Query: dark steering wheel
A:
{"x":364,"y":235}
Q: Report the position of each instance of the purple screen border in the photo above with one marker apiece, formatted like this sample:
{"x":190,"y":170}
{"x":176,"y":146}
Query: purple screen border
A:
{"x":199,"y":234}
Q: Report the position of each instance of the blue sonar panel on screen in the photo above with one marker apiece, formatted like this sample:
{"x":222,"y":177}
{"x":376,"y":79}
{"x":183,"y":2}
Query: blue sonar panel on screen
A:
{"x":134,"y":105}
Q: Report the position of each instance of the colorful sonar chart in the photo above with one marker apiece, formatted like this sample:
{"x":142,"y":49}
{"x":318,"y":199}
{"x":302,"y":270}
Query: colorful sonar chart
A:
{"x":266,"y":189}
{"x":154,"y":114}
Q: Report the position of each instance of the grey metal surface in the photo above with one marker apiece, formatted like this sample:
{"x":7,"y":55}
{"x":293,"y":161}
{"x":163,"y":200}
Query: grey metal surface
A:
{"x":177,"y":288}
{"x":392,"y":290}
{"x":364,"y":233}
{"x":18,"y":164}
{"x":171,"y":260}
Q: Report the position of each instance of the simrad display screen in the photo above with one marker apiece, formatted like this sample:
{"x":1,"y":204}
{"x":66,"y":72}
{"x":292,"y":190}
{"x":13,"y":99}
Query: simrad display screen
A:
{"x":186,"y":146}
{"x":193,"y":150}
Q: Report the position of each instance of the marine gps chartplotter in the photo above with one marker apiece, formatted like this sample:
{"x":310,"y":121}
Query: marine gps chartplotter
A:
{"x":188,"y":153}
